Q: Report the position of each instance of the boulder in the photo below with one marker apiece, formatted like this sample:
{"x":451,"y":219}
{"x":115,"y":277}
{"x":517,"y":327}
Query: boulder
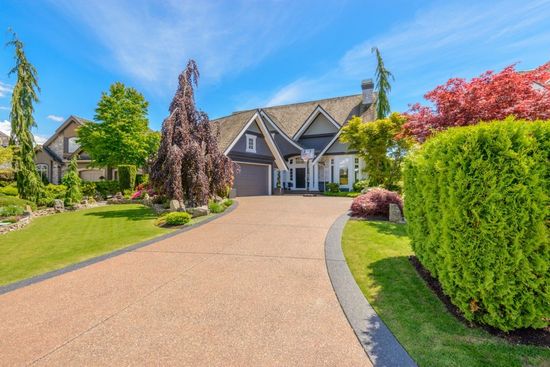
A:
{"x":395,"y":214}
{"x":176,"y":206}
{"x":119,"y":196}
{"x":198,"y":211}
{"x":28,"y":209}
{"x":58,"y":205}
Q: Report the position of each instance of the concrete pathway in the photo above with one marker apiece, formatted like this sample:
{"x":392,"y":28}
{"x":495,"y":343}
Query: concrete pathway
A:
{"x":249,"y":289}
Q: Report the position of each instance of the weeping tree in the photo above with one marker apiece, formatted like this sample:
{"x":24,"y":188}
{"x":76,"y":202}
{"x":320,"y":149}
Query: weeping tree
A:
{"x":23,"y":97}
{"x":383,"y":86}
{"x":189,"y":166}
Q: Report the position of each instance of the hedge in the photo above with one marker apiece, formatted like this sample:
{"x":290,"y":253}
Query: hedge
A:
{"x":476,"y":203}
{"x":127,"y":177}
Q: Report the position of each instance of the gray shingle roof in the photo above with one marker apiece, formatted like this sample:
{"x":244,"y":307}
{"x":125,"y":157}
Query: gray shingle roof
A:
{"x":291,"y":117}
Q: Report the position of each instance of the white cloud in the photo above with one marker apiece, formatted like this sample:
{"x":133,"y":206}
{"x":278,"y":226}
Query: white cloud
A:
{"x":449,"y":39}
{"x":5,"y":127}
{"x":151,"y":41}
{"x":4,"y":108}
{"x":56,"y":118}
{"x":5,"y":89}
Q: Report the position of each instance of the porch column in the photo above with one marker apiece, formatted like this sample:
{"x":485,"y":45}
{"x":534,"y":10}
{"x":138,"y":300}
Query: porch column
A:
{"x":312,"y":170}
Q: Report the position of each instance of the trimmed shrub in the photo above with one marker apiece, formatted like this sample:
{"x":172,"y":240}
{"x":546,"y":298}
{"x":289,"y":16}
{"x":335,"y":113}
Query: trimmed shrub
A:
{"x":10,"y":190}
{"x":127,"y":177}
{"x":215,"y":207}
{"x":376,"y":202}
{"x":107,"y":187}
{"x":177,"y":218}
{"x":88,"y":189}
{"x":227,"y":202}
{"x":332,"y":187}
{"x":72,"y":181}
{"x":50,"y":193}
{"x":360,"y":185}
{"x":477,"y":199}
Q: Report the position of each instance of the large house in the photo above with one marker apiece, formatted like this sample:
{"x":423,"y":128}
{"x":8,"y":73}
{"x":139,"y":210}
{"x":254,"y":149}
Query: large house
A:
{"x":53,"y":157}
{"x":267,"y":144}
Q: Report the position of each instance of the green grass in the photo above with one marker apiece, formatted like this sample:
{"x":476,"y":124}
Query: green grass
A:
{"x":55,"y":241}
{"x":377,"y":253}
{"x":345,"y":194}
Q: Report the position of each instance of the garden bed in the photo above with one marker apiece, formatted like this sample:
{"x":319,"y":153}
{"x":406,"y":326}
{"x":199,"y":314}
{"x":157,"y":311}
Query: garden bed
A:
{"x":539,"y":337}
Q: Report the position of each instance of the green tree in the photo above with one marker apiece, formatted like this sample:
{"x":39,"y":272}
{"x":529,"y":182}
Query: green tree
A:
{"x":121,"y":134}
{"x":383,"y":86}
{"x":380,"y":145}
{"x":23,"y":97}
{"x":71,"y":179}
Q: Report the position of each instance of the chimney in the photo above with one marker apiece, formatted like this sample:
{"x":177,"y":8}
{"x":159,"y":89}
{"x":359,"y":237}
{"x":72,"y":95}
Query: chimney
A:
{"x":367,"y":86}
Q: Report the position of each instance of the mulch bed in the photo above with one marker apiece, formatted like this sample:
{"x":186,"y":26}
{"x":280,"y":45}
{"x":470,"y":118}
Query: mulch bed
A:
{"x":528,"y":336}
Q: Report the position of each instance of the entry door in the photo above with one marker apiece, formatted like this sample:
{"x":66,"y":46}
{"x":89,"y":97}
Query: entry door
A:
{"x":300,"y":178}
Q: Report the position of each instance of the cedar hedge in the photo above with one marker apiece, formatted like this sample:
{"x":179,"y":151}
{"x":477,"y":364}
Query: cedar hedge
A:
{"x":477,"y":207}
{"x":127,"y":177}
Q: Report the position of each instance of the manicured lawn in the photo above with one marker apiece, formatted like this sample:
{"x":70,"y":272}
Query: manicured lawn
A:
{"x":52,"y":242}
{"x":376,"y":253}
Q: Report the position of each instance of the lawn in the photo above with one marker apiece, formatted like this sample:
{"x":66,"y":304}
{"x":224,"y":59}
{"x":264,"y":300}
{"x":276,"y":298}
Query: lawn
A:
{"x":52,"y":242}
{"x":377,"y":253}
{"x":345,"y":194}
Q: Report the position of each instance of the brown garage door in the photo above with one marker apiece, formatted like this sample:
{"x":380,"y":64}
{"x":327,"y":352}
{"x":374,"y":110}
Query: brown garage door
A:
{"x":252,"y":180}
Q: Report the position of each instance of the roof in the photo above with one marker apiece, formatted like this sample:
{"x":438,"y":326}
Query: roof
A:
{"x":78,"y":120}
{"x":290,"y":118}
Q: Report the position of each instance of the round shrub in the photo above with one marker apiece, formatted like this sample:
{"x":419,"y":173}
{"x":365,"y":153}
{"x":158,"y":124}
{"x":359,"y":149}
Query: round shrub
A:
{"x":360,"y":185}
{"x":477,"y":199}
{"x":177,"y":218}
{"x":215,"y":207}
{"x":376,"y":202}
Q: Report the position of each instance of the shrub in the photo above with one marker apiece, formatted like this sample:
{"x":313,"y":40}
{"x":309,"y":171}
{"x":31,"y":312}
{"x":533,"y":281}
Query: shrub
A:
{"x":360,"y":185}
{"x":476,"y":203}
{"x":88,"y":189}
{"x":10,"y":190}
{"x":177,"y":218}
{"x":11,"y":211}
{"x":215,"y":207}
{"x":12,"y":200}
{"x":332,"y":187}
{"x":73,"y":195}
{"x":127,"y":177}
{"x":142,"y":179}
{"x":50,"y":193}
{"x":227,"y":202}
{"x":107,"y":187}
{"x":376,"y":202}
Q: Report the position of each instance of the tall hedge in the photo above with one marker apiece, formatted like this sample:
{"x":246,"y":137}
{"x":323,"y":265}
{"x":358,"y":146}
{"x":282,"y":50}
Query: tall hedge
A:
{"x":127,"y":176}
{"x":477,"y":206}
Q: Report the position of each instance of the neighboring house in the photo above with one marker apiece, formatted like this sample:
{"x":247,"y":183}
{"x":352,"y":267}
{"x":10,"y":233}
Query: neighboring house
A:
{"x":53,"y":157}
{"x":267,"y":143}
{"x":4,"y":140}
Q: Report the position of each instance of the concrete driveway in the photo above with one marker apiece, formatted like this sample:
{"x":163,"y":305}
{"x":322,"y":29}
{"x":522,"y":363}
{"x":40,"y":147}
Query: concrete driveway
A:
{"x":248,"y":289}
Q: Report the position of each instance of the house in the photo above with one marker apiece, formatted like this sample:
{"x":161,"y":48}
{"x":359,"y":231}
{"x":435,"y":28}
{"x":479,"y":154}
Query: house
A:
{"x":4,"y":139}
{"x":267,"y":144}
{"x":53,"y":157}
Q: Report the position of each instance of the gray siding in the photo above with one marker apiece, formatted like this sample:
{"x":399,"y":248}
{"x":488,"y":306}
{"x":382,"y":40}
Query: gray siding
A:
{"x":284,"y":146}
{"x":321,"y":125}
{"x":315,"y":142}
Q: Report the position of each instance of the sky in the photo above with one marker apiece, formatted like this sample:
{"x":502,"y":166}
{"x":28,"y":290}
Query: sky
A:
{"x":256,"y":53}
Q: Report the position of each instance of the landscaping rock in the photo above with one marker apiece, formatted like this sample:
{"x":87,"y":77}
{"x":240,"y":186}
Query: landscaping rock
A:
{"x":218,"y":199}
{"x":176,"y":206}
{"x":58,"y":205}
{"x":147,"y":200}
{"x":28,"y":209}
{"x":119,"y":196}
{"x":159,"y":209}
{"x":198,"y":211}
{"x":395,"y":214}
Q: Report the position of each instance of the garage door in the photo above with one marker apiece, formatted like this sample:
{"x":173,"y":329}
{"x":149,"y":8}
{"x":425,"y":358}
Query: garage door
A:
{"x":252,"y":180}
{"x":92,"y":175}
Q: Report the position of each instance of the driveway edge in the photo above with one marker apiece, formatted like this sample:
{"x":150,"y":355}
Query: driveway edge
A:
{"x":381,"y":346}
{"x":39,"y":278}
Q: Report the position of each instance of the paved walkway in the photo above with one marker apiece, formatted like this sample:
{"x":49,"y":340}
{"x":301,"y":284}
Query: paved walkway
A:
{"x":249,"y":289}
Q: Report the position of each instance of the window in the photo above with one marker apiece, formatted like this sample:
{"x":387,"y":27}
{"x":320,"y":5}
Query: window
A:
{"x":292,"y":174}
{"x":42,"y":171}
{"x":72,"y":145}
{"x":292,"y":161}
{"x":251,"y":143}
{"x":356,"y":170}
{"x":344,"y":172}
{"x":332,"y":170}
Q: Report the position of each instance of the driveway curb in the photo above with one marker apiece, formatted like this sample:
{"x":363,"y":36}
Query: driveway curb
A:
{"x":377,"y":340}
{"x":39,"y":278}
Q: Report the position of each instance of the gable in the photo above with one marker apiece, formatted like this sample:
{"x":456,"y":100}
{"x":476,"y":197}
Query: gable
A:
{"x":262,"y":149}
{"x":320,"y":125}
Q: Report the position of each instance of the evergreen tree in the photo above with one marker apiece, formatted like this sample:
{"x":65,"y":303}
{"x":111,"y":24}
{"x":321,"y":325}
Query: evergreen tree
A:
{"x":383,"y":86}
{"x":71,"y":179}
{"x":23,"y":97}
{"x":189,"y":166}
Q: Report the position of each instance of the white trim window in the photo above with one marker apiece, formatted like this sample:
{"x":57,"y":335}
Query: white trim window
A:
{"x":43,"y":170}
{"x":72,"y":145}
{"x":251,"y":143}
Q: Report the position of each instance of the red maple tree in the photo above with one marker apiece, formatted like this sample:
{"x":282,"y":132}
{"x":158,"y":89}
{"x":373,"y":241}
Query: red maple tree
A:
{"x":491,"y":96}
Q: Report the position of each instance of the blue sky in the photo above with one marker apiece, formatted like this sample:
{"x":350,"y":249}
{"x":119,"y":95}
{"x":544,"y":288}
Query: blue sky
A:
{"x":258,"y":53}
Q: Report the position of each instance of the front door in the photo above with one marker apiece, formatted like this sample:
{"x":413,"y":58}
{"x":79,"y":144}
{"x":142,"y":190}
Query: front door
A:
{"x":300,"y":178}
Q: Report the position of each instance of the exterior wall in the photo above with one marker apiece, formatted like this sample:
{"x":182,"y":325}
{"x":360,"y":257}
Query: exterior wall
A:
{"x":317,"y":142}
{"x":338,"y":148}
{"x":57,"y":145}
{"x":321,"y":125}
{"x":284,"y":146}
{"x":261,"y":146}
